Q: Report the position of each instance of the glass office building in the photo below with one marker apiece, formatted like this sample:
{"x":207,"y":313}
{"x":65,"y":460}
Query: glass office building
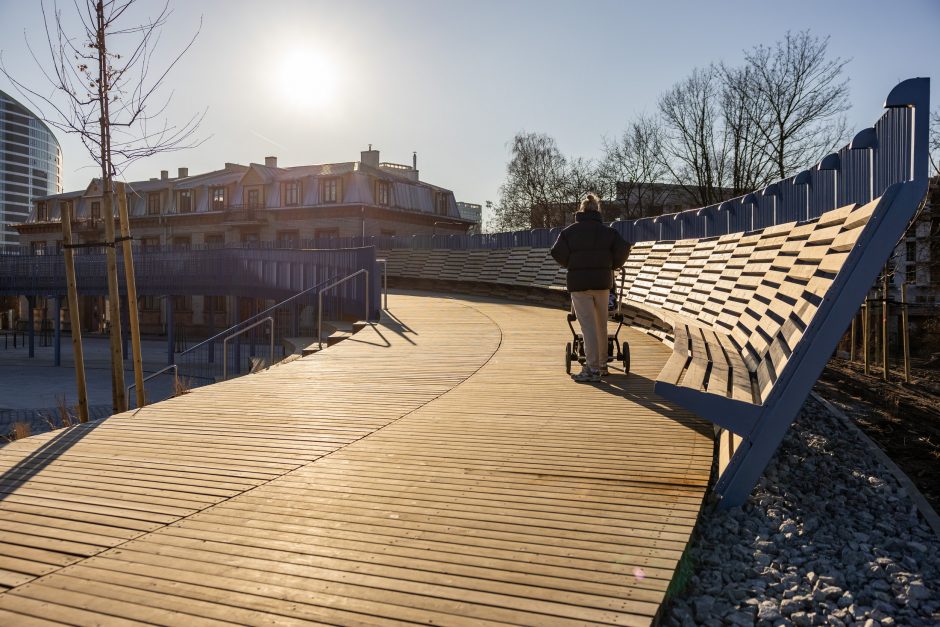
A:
{"x":30,"y":165}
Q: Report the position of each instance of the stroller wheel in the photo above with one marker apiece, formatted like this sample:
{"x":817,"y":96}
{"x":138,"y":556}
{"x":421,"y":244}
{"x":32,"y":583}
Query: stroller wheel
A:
{"x":626,"y":357}
{"x":568,"y":358}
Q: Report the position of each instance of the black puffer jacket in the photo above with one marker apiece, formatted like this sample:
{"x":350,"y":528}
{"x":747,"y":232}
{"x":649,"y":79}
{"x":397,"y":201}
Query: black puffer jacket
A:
{"x":590,"y":250}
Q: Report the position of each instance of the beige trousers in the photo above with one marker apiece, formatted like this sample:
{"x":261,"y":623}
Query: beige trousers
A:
{"x":590,"y":306}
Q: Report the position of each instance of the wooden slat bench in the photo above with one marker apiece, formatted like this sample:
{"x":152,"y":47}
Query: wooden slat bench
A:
{"x":752,"y":315}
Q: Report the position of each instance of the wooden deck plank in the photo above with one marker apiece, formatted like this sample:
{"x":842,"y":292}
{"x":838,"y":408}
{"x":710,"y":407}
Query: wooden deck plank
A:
{"x":444,"y":469}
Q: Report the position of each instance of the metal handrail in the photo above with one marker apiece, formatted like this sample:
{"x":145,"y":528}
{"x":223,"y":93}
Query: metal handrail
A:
{"x":176,"y":378}
{"x":384,"y":263}
{"x":330,"y":286}
{"x":226,"y":340}
{"x":219,"y":335}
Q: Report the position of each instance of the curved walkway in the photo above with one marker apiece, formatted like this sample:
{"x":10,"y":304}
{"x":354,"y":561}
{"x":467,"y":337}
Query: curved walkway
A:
{"x":436,"y":468}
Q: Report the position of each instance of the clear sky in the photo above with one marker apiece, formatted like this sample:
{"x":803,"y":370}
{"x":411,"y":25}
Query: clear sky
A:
{"x":454,"y":80}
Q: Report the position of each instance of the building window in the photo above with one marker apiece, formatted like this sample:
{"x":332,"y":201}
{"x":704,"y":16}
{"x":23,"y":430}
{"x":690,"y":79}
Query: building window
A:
{"x":182,"y":242}
{"x":182,"y":303}
{"x":440,"y":204}
{"x":215,"y":240}
{"x":291,"y":193}
{"x":217,"y":194}
{"x":150,"y":303}
{"x":382,"y":193}
{"x":95,"y":210}
{"x":387,"y":233}
{"x":215,"y":304}
{"x":153,"y":204}
{"x":38,"y":248}
{"x":42,"y":212}
{"x":150,"y":243}
{"x":911,"y":250}
{"x":329,"y":190}
{"x":288,"y":239}
{"x":185,"y":201}
{"x":910,"y":273}
{"x":254,"y":198}
{"x":326,"y":233}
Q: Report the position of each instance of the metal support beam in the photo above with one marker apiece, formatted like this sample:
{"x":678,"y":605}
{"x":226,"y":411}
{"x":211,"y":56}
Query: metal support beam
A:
{"x":905,"y":336}
{"x":884,"y":323}
{"x":865,"y":333}
{"x":169,"y":331}
{"x":852,"y":339}
{"x":31,"y":324}
{"x":57,"y":322}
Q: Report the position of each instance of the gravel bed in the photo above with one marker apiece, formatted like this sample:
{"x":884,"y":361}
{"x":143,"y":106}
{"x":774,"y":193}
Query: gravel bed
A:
{"x":828,"y":537}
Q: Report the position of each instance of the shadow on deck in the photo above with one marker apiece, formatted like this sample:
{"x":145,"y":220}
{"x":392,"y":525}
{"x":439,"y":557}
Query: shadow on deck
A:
{"x":438,"y":467}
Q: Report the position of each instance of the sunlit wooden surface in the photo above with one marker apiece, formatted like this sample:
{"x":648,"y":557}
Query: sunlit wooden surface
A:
{"x":437,"y":468}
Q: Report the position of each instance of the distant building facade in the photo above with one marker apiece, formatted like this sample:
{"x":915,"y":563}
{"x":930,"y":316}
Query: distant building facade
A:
{"x":261,"y":203}
{"x":30,"y":165}
{"x":473,"y":212}
{"x":242,"y":205}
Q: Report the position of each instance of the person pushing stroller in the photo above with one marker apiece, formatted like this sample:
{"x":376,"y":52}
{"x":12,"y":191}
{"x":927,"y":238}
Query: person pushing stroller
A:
{"x":591,"y":251}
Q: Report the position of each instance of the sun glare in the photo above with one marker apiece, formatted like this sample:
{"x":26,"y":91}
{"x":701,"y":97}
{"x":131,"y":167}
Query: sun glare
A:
{"x":307,"y":80}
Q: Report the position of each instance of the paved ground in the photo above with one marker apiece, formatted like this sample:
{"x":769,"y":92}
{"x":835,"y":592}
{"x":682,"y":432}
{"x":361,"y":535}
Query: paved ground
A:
{"x":36,"y":383}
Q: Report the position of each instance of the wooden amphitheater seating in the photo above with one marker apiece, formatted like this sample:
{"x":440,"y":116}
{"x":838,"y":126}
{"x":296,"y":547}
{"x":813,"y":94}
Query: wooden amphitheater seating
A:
{"x":752,"y":314}
{"x":738,"y":305}
{"x":752,"y":317}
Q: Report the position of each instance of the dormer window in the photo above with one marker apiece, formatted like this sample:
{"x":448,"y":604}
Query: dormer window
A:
{"x":254,"y":198}
{"x":329,"y":190}
{"x":42,"y":212}
{"x":217,"y":194}
{"x":291,"y":193}
{"x":440,"y":204}
{"x":153,"y":204}
{"x":96,"y":210}
{"x":184,"y":201}
{"x":383,"y":193}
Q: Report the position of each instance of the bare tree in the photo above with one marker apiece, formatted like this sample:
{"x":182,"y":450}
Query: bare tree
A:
{"x":800,"y":97}
{"x":696,"y":144}
{"x":108,"y":98}
{"x":748,"y":162}
{"x":580,"y":178}
{"x":534,"y":190}
{"x":934,"y":142}
{"x":632,"y":170}
{"x":105,"y":90}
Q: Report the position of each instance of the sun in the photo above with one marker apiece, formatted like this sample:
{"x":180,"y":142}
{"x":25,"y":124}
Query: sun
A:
{"x":307,"y":79}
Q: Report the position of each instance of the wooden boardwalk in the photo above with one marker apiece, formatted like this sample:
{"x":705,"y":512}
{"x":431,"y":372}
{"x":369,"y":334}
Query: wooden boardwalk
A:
{"x":436,"y":468}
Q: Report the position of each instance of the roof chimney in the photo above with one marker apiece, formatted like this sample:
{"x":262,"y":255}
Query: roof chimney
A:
{"x":369,"y":157}
{"x":230,"y":166}
{"x":183,"y":172}
{"x":414,"y":160}
{"x":164,"y":175}
{"x":270,"y":162}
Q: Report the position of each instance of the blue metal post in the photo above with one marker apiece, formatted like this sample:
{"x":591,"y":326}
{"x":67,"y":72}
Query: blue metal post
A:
{"x":211,"y":315}
{"x":58,"y":330}
{"x":30,"y":331}
{"x":169,"y":330}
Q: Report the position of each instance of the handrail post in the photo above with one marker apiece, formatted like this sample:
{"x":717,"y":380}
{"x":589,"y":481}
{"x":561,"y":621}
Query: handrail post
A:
{"x":176,"y":377}
{"x":330,"y":286}
{"x":234,"y":335}
{"x":384,"y":263}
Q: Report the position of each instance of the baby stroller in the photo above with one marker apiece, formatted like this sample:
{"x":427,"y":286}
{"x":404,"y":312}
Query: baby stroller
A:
{"x":616,"y":351}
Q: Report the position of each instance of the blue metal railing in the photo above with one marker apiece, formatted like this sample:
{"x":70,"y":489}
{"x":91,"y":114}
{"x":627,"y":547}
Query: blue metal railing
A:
{"x":258,"y":271}
{"x":248,"y":341}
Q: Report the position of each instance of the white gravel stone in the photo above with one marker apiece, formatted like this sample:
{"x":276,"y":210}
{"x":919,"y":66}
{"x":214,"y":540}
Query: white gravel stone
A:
{"x":828,"y":537}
